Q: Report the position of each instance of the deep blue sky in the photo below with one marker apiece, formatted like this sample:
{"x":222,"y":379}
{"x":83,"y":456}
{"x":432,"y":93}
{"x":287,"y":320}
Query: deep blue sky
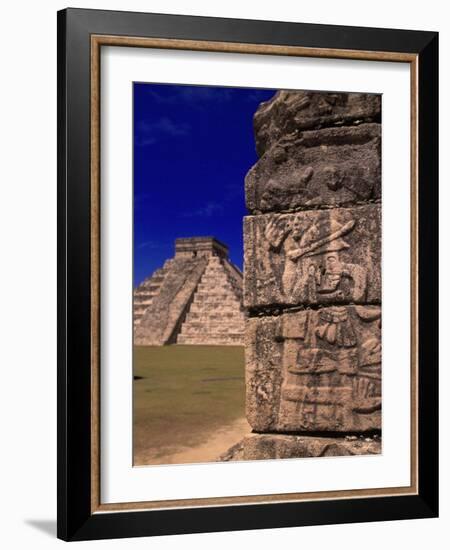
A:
{"x":193,"y":146}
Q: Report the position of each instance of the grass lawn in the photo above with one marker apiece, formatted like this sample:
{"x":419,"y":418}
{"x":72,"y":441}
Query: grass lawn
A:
{"x":182,"y":394}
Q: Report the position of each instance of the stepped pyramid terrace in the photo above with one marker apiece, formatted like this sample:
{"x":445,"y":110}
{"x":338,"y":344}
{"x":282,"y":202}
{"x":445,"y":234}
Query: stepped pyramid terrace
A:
{"x":195,"y":298}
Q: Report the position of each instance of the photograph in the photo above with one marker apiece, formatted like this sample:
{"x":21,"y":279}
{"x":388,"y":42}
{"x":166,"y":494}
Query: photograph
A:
{"x":247,"y":273}
{"x":256,"y":274}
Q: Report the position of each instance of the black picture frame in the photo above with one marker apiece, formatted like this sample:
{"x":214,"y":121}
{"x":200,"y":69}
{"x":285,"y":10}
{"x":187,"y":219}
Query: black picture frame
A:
{"x":76,"y":520}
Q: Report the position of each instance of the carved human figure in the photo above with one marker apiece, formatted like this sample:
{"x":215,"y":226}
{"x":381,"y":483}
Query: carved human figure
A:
{"x":367,"y":384}
{"x":341,"y":279}
{"x":332,"y":368}
{"x":313,"y":270}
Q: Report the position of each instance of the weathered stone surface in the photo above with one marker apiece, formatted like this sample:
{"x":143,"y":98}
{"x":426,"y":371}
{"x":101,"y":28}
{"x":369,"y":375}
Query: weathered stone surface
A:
{"x":235,"y":452}
{"x":329,"y":167}
{"x":196,"y":298}
{"x":289,"y":112}
{"x":273,"y":446}
{"x":314,"y":257}
{"x":315,"y":370}
{"x":312,"y":278}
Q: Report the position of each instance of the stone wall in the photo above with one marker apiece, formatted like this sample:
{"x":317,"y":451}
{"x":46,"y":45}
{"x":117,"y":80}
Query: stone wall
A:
{"x":312,"y":277}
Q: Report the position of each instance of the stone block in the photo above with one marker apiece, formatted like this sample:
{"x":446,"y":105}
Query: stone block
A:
{"x":274,"y":446}
{"x":289,"y":112}
{"x":314,"y":257}
{"x":329,"y":167}
{"x":315,"y":370}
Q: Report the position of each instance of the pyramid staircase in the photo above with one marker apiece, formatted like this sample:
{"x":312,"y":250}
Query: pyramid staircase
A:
{"x":216,"y":315}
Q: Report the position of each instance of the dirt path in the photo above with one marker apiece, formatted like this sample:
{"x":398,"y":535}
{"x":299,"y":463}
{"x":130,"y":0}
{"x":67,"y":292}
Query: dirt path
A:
{"x":218,"y":442}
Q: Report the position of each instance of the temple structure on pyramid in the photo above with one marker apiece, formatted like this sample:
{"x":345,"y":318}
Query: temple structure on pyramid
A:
{"x":195,"y":298}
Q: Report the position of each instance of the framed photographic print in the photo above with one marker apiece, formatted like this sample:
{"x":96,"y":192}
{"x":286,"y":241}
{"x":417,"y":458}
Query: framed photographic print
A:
{"x":247,"y":274}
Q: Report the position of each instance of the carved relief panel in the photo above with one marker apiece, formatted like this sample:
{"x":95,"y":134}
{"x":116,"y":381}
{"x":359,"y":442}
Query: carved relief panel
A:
{"x":315,"y":370}
{"x":328,"y":167}
{"x":314,"y":257}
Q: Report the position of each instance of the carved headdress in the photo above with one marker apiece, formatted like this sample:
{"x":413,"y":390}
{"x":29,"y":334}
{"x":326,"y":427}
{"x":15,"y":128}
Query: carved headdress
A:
{"x":313,"y":244}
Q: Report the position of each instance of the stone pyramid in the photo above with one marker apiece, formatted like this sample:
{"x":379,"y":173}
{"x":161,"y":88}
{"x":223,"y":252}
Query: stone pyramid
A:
{"x":195,"y":298}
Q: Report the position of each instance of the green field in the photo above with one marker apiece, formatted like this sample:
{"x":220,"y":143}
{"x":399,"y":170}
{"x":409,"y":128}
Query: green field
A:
{"x":182,"y":394}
